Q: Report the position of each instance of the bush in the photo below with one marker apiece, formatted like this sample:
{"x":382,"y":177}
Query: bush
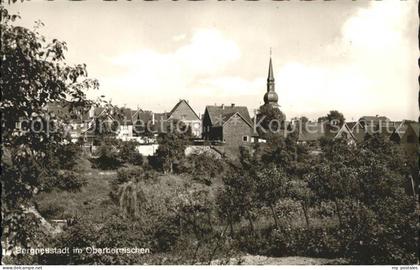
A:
{"x":128,"y":153}
{"x":51,"y":210}
{"x":64,"y":180}
{"x":108,"y":158}
{"x":204,"y":168}
{"x":63,"y":156}
{"x":292,"y":241}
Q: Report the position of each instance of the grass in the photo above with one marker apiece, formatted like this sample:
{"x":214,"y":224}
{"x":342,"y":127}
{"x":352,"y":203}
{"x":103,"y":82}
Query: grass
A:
{"x":92,"y":200}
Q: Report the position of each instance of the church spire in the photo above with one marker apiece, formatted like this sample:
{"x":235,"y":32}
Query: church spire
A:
{"x":271,"y":96}
{"x":270,"y":72}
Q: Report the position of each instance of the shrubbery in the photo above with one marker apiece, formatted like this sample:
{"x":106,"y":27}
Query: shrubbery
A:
{"x":108,"y":158}
{"x":114,"y":154}
{"x":348,"y":204}
{"x":128,"y":153}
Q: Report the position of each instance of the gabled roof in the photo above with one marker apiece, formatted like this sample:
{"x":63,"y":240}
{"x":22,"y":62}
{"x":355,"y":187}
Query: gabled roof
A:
{"x":351,"y":125}
{"x":416,"y":128}
{"x":64,"y":111}
{"x":227,"y":117}
{"x":161,"y":124}
{"x":374,"y":120}
{"x":316,"y":131}
{"x":144,"y":116}
{"x":405,"y":126}
{"x":182,"y":101}
{"x":127,"y":115}
{"x":220,"y":114}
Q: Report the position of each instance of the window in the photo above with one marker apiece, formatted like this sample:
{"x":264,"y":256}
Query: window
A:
{"x":245,"y":138}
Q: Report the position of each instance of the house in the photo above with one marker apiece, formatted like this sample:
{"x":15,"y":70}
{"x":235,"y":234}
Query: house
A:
{"x":182,"y":111}
{"x":358,"y":131}
{"x":125,"y":120}
{"x":230,"y":125}
{"x":372,"y":125}
{"x":407,"y":135}
{"x":76,"y":120}
{"x":312,"y":132}
{"x":143,"y":126}
{"x":377,"y":120}
{"x":378,"y":124}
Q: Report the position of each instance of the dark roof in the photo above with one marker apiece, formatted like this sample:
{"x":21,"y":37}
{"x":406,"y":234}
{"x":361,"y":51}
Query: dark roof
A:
{"x":98,"y":111}
{"x":351,"y":125}
{"x":144,"y":116}
{"x":416,"y":127}
{"x":406,"y":125}
{"x":161,"y":124}
{"x":220,"y":114}
{"x":374,"y":119}
{"x":315,"y":131}
{"x":127,"y":115}
{"x":64,"y":111}
{"x":270,"y":72}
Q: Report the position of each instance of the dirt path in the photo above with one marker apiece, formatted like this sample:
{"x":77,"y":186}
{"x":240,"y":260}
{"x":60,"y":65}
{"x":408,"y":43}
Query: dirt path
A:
{"x":263,"y":260}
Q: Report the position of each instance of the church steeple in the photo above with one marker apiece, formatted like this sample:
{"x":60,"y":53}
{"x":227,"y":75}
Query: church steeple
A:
{"x":271,"y":97}
{"x":270,"y":78}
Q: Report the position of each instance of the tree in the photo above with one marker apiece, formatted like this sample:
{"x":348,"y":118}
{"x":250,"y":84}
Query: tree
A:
{"x":367,"y":186}
{"x":205,"y":167}
{"x":106,"y":125}
{"x":270,"y":121}
{"x":238,"y":198}
{"x":271,"y":187}
{"x":299,"y":190}
{"x":34,"y":73}
{"x":108,"y":157}
{"x":333,"y":118}
{"x":172,"y":146}
{"x":128,"y":153}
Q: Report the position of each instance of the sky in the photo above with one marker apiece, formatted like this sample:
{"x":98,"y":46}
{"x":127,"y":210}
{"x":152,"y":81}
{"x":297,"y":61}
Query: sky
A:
{"x":357,"y":57}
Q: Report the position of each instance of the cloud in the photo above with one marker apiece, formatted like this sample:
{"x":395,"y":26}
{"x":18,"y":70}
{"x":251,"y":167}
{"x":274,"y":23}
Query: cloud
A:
{"x":170,"y":75}
{"x":370,"y":68}
{"x":179,"y":37}
{"x":374,"y":71}
{"x":229,"y":86}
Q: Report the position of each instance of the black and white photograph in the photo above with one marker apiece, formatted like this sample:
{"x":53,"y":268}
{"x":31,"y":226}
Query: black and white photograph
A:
{"x":144,"y":133}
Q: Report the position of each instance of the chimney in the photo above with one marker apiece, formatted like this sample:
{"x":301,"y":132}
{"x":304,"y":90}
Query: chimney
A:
{"x":153,"y":118}
{"x":233,"y":104}
{"x":223,"y":106}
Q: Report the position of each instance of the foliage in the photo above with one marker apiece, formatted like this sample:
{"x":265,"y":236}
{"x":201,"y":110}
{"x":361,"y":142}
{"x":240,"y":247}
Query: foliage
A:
{"x":333,"y":117}
{"x":128,"y":153}
{"x":108,"y":157}
{"x":271,"y":187}
{"x":204,"y":167}
{"x":270,"y":120}
{"x":64,"y":180}
{"x":172,"y":146}
{"x":34,"y":73}
{"x":106,"y":124}
{"x":63,"y":156}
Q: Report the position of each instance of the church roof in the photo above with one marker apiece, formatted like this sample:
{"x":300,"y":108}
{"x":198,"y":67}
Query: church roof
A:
{"x":270,"y":71}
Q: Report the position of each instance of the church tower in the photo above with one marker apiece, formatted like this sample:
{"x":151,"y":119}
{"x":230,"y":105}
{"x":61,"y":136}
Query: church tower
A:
{"x":271,"y":98}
